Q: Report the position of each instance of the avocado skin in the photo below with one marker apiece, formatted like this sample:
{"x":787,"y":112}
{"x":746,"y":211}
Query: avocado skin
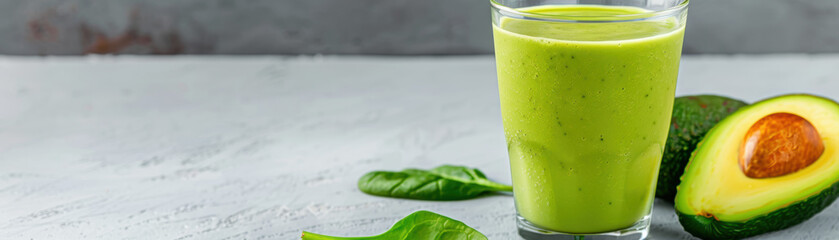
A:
{"x":693,"y":116}
{"x":710,"y":228}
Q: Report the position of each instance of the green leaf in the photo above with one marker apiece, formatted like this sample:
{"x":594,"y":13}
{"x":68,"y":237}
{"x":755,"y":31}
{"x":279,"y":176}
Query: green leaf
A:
{"x":441,"y":183}
{"x":420,"y":225}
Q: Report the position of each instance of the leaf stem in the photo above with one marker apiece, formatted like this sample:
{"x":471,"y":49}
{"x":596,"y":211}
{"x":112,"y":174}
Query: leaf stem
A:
{"x":315,"y":236}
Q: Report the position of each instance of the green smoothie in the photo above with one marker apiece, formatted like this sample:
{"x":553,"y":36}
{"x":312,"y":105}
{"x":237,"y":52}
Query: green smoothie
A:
{"x":586,"y":109}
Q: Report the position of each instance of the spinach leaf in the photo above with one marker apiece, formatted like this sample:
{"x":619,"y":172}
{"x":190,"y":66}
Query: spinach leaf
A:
{"x":441,"y":183}
{"x":420,"y":225}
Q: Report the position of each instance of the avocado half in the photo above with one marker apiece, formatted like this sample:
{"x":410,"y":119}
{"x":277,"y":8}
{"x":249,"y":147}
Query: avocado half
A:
{"x":692,"y":117}
{"x":717,"y":200}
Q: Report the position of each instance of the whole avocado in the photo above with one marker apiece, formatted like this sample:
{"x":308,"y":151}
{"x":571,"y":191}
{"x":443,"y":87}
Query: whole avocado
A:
{"x":693,"y":116}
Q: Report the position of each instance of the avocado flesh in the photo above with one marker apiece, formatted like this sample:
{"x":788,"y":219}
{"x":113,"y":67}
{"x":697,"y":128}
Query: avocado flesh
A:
{"x":692,"y":117}
{"x":713,"y":183}
{"x":710,"y":228}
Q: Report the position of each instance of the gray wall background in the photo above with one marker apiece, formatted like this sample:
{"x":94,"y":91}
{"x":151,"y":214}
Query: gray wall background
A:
{"x":38,"y":27}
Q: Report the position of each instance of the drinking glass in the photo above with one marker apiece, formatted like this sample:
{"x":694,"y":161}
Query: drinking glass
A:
{"x":586,"y":90}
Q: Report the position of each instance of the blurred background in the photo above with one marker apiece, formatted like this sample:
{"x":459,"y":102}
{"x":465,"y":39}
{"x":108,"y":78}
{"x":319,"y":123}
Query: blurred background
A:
{"x":380,"y":27}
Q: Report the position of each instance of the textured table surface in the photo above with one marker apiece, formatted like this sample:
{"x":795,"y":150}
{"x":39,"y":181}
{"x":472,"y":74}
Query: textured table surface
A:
{"x":265,"y":147}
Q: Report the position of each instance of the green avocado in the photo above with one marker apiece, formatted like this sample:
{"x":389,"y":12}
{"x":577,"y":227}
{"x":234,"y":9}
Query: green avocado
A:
{"x":693,"y":116}
{"x":723,"y":195}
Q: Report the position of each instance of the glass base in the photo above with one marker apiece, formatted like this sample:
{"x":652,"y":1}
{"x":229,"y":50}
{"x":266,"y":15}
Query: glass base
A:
{"x":637,"y":231}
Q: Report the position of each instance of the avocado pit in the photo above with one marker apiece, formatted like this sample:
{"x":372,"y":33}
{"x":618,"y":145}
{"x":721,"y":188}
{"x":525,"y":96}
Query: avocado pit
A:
{"x":779,"y":144}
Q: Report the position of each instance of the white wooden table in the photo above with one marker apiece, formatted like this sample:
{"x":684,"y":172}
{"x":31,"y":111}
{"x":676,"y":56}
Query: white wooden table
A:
{"x":264,"y":147}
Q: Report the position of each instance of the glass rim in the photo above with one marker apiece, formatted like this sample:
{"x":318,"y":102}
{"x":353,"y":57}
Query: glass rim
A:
{"x":512,"y":12}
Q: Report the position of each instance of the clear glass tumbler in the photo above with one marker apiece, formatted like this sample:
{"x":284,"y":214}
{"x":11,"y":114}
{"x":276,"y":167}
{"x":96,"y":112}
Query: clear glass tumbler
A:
{"x":586,"y":92}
